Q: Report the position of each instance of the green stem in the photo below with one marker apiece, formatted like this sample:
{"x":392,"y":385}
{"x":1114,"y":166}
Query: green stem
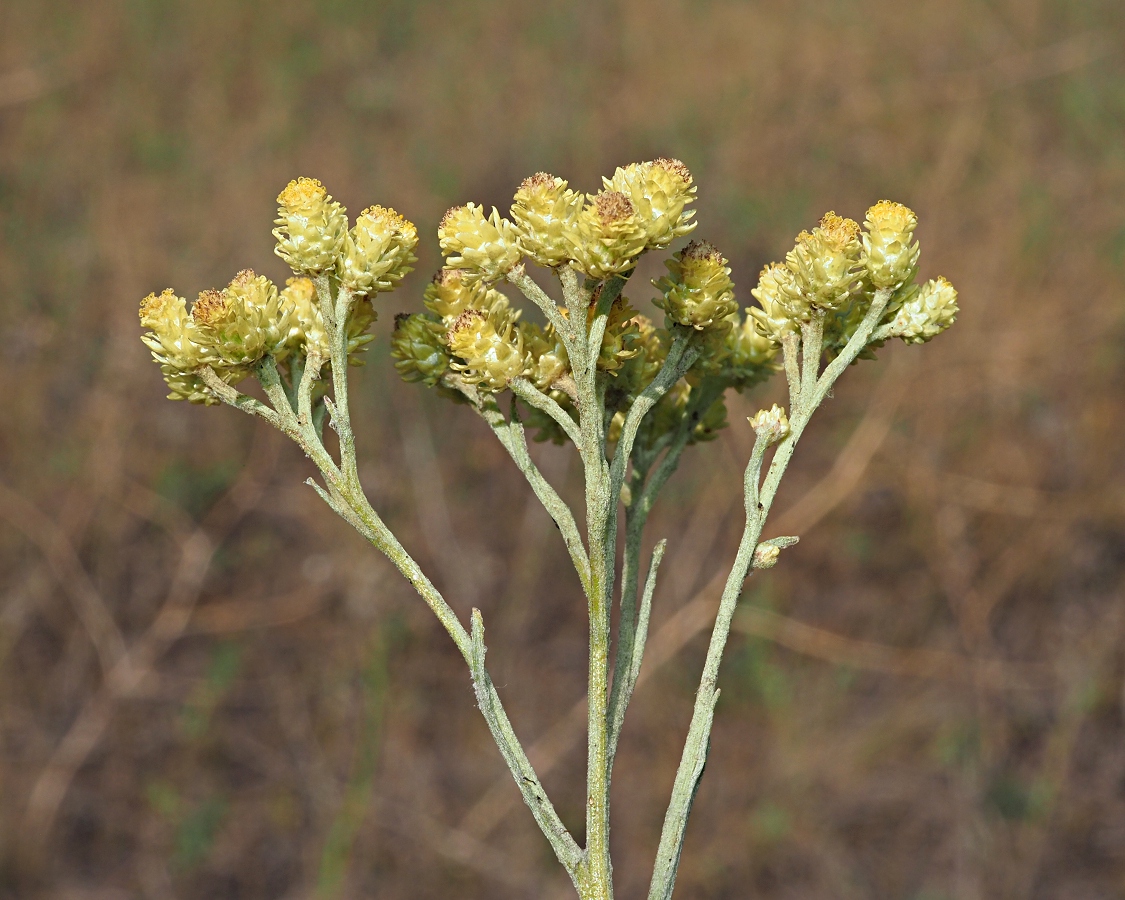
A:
{"x":532,"y":396}
{"x":511,"y":435}
{"x":630,"y":639}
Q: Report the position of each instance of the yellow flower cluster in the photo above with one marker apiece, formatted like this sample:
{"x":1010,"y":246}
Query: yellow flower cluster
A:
{"x":313,"y":238}
{"x":233,"y":329}
{"x":470,"y":335}
{"x":229,"y":330}
{"x":833,"y":272}
{"x":641,"y":208}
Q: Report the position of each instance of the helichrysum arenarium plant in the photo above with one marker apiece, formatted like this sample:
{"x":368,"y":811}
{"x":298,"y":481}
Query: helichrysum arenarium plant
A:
{"x":628,"y":392}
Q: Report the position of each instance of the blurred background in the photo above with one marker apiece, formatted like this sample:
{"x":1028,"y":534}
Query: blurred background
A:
{"x":210,"y":687}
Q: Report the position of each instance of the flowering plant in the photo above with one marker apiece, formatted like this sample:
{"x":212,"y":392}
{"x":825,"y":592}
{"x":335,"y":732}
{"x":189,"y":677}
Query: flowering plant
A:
{"x":629,"y":393}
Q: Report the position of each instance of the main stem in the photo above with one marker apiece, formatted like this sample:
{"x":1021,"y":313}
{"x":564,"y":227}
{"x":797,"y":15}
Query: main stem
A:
{"x":595,"y":880}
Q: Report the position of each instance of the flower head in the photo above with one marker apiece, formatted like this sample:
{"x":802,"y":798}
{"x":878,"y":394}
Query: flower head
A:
{"x":770,"y":425}
{"x":418,"y":345}
{"x":782,"y":304}
{"x":450,"y":293}
{"x":609,"y":236}
{"x":889,"y":256}
{"x":486,"y":248}
{"x":927,"y":313}
{"x":378,"y":251}
{"x":245,"y":321}
{"x":311,"y":227}
{"x":545,"y":216}
{"x":176,"y":347}
{"x":658,"y":191}
{"x":489,"y":348}
{"x":698,"y":291}
{"x":826,"y":263}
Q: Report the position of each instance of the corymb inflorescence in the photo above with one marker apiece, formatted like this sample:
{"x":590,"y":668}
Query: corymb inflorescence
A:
{"x":576,"y":363}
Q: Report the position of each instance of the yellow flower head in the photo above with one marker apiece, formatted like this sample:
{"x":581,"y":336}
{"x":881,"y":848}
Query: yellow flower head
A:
{"x":311,"y":227}
{"x":176,"y":347}
{"x":698,"y":291}
{"x":826,"y":262}
{"x":889,"y":256}
{"x":489,"y":348}
{"x":486,"y":248}
{"x":610,"y":237}
{"x":924,"y":316}
{"x":451,"y":293}
{"x":378,"y":251}
{"x":658,"y":190}
{"x":545,"y":216}
{"x":783,"y":305}
{"x":771,"y":424}
{"x":549,"y":361}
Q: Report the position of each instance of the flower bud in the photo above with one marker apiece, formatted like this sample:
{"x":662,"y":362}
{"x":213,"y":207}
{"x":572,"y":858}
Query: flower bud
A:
{"x":311,"y":227}
{"x":547,"y":355}
{"x":766,"y":556}
{"x":610,"y":237}
{"x":826,"y":262}
{"x":245,"y":321}
{"x":750,"y":355}
{"x":377,"y":251}
{"x":698,"y":291}
{"x":450,"y":294}
{"x":930,"y":311}
{"x":888,"y":254}
{"x":545,"y":216}
{"x":489,"y":347}
{"x":658,"y":190}
{"x":486,"y":248}
{"x":620,"y":338}
{"x":418,"y":343}
{"x":300,"y":296}
{"x":770,"y":425}
{"x":783,"y":305}
{"x":174,"y":342}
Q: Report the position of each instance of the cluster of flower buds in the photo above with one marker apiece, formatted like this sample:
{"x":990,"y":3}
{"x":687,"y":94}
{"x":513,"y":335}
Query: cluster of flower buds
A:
{"x":470,"y":335}
{"x":470,"y":339}
{"x":233,"y":329}
{"x":834,"y":271}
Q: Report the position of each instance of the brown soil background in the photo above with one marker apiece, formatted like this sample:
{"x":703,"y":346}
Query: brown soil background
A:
{"x":210,"y":688}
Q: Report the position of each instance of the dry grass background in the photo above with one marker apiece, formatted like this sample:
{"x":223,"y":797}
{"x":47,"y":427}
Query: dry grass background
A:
{"x":210,"y":688}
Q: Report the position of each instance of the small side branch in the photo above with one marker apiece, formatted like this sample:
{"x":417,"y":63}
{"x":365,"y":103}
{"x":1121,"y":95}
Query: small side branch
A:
{"x":619,"y":700}
{"x":532,"y":396}
{"x":565,"y":847}
{"x":527,"y":286}
{"x":512,"y":438}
